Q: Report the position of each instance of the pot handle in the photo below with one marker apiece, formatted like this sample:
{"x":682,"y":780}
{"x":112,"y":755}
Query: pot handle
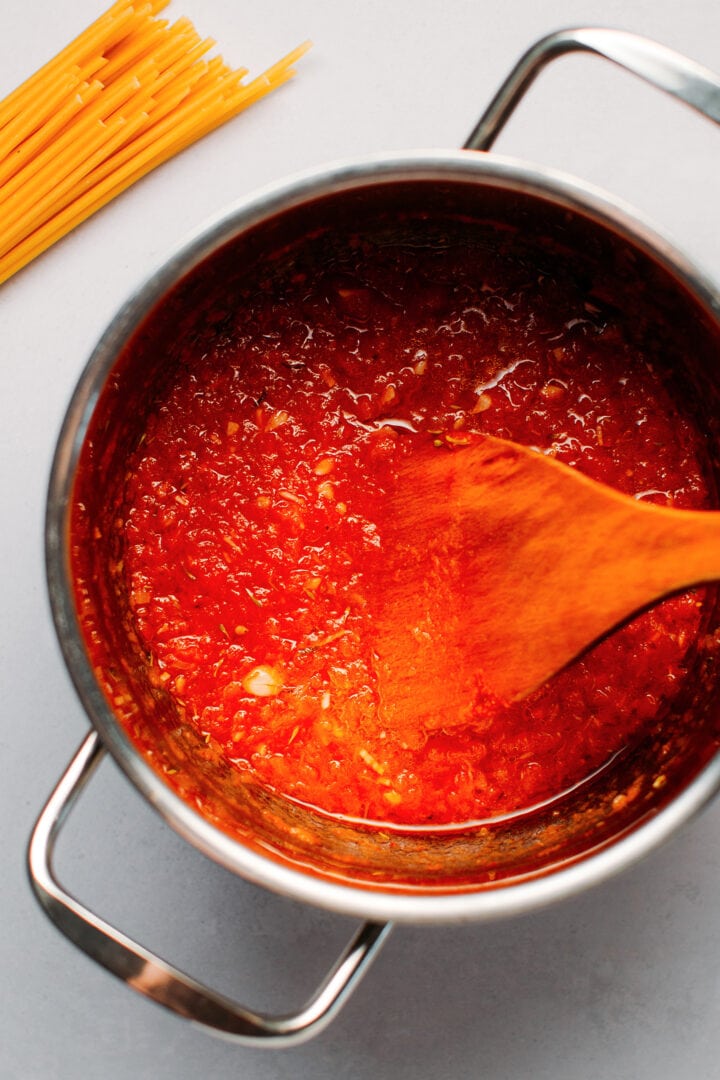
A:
{"x":153,"y":977}
{"x":664,"y":68}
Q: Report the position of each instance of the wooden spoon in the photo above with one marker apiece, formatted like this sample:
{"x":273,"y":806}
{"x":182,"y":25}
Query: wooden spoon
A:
{"x":501,"y":565}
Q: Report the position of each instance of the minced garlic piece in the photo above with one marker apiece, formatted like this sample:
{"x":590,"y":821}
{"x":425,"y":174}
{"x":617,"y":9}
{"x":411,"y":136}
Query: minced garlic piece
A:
{"x":263,"y":681}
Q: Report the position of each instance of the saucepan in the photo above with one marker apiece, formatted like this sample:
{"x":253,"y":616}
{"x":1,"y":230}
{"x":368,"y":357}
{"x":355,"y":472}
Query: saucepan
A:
{"x":452,"y":874}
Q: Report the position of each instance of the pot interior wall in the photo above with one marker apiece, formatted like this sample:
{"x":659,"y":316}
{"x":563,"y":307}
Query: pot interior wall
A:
{"x":467,"y":857}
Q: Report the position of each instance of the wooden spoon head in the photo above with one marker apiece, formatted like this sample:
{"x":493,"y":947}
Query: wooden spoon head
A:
{"x":437,"y":617}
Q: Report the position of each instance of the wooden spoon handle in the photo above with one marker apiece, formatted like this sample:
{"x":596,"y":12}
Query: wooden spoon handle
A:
{"x":596,"y":556}
{"x":624,"y":554}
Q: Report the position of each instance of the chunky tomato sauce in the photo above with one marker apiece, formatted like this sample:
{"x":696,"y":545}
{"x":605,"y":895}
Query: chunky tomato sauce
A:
{"x":249,"y":520}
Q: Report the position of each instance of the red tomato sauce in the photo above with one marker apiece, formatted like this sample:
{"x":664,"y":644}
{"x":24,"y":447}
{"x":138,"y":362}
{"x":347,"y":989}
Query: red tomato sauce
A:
{"x":250,"y":528}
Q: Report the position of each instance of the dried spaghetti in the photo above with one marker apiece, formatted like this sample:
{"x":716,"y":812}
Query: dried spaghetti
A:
{"x":128,"y":93}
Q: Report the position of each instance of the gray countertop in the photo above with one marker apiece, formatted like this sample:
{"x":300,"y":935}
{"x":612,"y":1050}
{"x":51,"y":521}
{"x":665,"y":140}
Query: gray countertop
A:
{"x":623,"y":981}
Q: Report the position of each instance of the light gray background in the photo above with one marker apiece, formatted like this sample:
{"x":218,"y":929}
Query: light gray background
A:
{"x":623,"y":982}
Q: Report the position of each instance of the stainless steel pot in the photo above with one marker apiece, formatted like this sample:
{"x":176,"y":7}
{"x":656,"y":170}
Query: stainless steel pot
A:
{"x":448,"y":874}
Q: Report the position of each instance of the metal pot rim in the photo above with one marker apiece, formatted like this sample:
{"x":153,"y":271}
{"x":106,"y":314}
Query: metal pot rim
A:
{"x":460,"y":166}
